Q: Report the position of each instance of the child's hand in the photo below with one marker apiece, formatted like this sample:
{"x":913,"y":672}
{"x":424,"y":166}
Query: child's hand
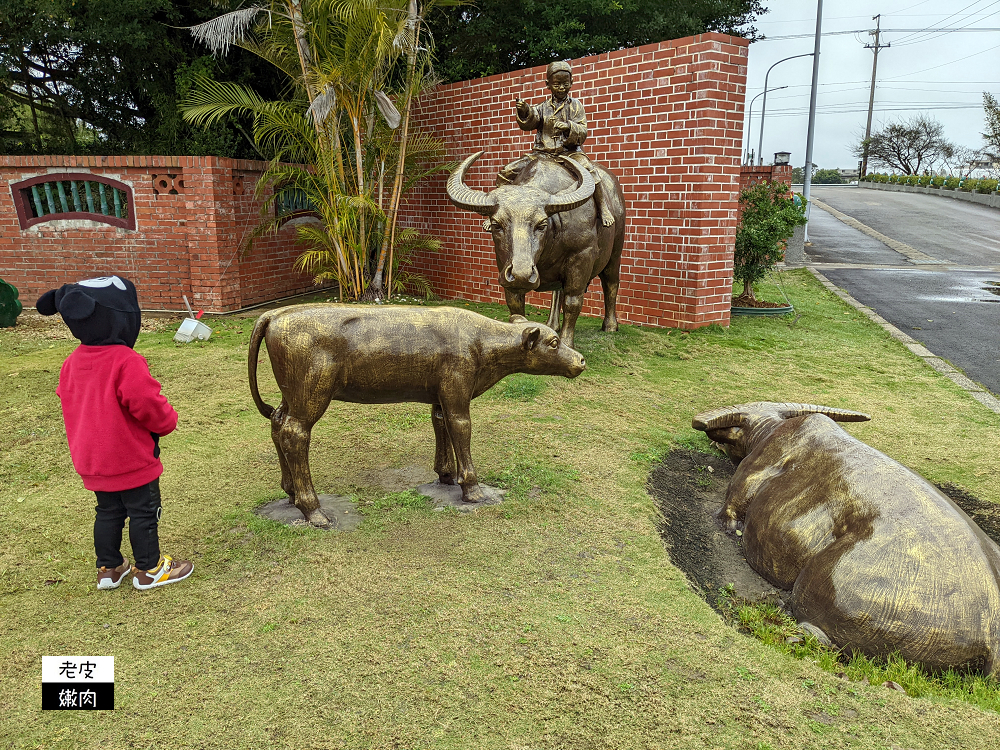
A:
{"x":560,"y":127}
{"x":522,"y":107}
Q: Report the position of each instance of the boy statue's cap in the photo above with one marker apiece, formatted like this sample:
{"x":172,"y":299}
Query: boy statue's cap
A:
{"x":100,"y":312}
{"x":558,"y":65}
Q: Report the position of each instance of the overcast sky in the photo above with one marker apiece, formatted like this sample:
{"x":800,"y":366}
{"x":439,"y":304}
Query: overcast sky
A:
{"x":941,"y":74}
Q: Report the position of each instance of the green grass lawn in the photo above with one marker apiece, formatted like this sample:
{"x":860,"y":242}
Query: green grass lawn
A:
{"x":553,"y":620}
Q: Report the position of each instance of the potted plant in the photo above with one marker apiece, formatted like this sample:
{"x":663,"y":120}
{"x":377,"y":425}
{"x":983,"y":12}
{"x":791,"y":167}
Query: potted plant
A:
{"x":769,"y":215}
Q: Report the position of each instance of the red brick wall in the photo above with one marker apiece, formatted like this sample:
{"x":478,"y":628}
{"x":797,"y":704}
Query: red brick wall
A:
{"x":666,"y":119}
{"x":185,"y":242}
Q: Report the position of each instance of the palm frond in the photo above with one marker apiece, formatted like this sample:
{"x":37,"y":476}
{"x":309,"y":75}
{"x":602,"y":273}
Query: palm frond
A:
{"x":323,"y":104}
{"x":209,"y":100}
{"x":222,"y":32}
{"x":387,"y":109}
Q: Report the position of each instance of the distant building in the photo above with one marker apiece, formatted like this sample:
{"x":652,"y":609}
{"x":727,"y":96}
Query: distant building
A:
{"x":849,"y":175}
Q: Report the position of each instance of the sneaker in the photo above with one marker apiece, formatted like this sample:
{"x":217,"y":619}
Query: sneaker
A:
{"x":111,"y":578}
{"x":167,"y":571}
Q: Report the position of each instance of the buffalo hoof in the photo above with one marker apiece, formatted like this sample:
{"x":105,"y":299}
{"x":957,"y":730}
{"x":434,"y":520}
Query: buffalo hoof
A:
{"x":610,"y":327}
{"x":446,"y":479}
{"x":317,"y":518}
{"x":473,"y":494}
{"x":809,"y":628}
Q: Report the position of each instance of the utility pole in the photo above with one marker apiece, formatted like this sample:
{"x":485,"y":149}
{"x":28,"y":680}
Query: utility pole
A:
{"x":811,"y":129}
{"x":871,"y":97}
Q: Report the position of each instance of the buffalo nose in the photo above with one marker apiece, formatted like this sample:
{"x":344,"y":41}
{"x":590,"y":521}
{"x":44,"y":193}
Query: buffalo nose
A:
{"x":508,"y":273}
{"x":533,"y":279}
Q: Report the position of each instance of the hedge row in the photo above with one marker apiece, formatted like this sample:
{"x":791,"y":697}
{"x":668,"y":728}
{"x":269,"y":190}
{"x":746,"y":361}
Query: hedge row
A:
{"x":968,"y":184}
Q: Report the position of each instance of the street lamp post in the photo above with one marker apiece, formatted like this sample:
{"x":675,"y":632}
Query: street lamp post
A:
{"x":750,"y":117}
{"x":763,"y":106}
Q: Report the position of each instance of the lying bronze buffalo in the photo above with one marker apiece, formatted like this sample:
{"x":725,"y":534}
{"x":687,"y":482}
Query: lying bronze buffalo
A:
{"x":877,"y":559}
{"x":441,"y":356}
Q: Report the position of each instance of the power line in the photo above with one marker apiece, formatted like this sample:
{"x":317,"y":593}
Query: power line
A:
{"x":842,"y":18}
{"x":918,"y":108}
{"x":952,"y":16}
{"x":942,"y":65}
{"x":884,"y":31}
{"x":956,"y":83}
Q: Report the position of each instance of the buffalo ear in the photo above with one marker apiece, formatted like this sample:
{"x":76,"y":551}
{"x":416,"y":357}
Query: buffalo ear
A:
{"x":76,"y":305}
{"x":530,"y":337}
{"x":518,"y":319}
{"x":46,"y":304}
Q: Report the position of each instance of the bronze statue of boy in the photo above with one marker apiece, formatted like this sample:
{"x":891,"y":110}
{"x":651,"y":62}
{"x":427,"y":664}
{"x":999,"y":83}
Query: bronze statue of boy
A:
{"x":560,"y":125}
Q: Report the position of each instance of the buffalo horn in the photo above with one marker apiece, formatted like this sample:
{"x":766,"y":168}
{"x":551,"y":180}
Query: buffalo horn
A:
{"x":465,"y":197}
{"x":788,"y":411}
{"x":721,"y":418}
{"x":569,"y":201}
{"x":736,"y":416}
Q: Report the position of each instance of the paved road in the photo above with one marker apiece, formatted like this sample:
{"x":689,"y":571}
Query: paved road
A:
{"x":953,"y":308}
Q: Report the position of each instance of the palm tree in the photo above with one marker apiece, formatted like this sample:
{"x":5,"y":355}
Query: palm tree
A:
{"x":335,"y":137}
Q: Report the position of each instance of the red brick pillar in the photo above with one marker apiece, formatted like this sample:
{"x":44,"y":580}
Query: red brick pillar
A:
{"x":208,"y":204}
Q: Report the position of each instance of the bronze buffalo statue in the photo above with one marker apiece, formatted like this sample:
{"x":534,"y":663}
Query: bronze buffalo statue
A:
{"x":443,"y":356}
{"x":877,"y":559}
{"x":548,"y":236}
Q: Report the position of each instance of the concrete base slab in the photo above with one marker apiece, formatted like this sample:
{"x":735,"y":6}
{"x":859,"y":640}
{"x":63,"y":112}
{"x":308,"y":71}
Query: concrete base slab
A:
{"x":450,"y":496}
{"x":341,"y":510}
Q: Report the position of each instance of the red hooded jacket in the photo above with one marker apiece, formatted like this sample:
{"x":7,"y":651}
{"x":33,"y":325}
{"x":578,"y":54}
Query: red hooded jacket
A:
{"x":110,"y":405}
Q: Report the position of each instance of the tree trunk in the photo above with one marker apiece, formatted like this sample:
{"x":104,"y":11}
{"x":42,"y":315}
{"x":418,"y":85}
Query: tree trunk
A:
{"x":389,"y":238}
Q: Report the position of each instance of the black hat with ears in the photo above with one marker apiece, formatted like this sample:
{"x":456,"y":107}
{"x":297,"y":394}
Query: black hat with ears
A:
{"x":99,"y":312}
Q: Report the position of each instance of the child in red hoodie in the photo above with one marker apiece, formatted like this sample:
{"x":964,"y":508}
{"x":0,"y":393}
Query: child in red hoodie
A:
{"x":114,"y":414}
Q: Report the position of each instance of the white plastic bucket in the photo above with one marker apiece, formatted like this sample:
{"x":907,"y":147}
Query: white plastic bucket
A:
{"x":192,"y":329}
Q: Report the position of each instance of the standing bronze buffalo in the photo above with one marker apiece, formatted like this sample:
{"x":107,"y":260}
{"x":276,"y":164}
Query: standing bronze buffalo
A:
{"x":548,"y":237}
{"x":877,"y":559}
{"x":441,"y":356}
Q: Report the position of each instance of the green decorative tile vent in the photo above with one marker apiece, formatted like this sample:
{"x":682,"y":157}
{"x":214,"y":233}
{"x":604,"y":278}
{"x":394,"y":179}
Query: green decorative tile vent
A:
{"x":76,"y":195}
{"x":292,"y":202}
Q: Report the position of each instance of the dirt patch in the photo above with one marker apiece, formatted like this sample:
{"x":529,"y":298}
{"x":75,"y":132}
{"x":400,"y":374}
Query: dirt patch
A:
{"x":985,"y":514}
{"x":745,"y":300}
{"x":689,"y":488}
{"x":396,"y":479}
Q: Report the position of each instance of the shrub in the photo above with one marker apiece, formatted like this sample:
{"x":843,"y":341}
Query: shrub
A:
{"x":883,"y":178}
{"x":938,"y":181}
{"x":969,"y":184}
{"x":769,"y":216}
{"x":987,"y":185}
{"x":924,"y":181}
{"x":952,"y":182}
{"x":912,"y":179}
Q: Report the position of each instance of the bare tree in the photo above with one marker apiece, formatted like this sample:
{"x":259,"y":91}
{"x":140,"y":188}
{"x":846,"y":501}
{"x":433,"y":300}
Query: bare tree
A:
{"x":907,"y":145}
{"x":962,"y":161}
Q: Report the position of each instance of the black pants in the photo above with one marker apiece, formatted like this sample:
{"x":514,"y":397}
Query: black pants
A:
{"x":141,"y":506}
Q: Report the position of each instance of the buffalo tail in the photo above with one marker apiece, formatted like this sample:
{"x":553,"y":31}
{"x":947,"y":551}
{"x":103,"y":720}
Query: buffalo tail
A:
{"x":259,"y":329}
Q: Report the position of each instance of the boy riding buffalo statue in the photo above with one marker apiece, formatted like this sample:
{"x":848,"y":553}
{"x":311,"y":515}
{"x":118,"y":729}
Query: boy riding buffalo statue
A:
{"x":557,"y":219}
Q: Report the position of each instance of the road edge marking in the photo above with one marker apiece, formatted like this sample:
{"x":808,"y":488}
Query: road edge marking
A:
{"x":933,"y":361}
{"x":917,"y":257}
